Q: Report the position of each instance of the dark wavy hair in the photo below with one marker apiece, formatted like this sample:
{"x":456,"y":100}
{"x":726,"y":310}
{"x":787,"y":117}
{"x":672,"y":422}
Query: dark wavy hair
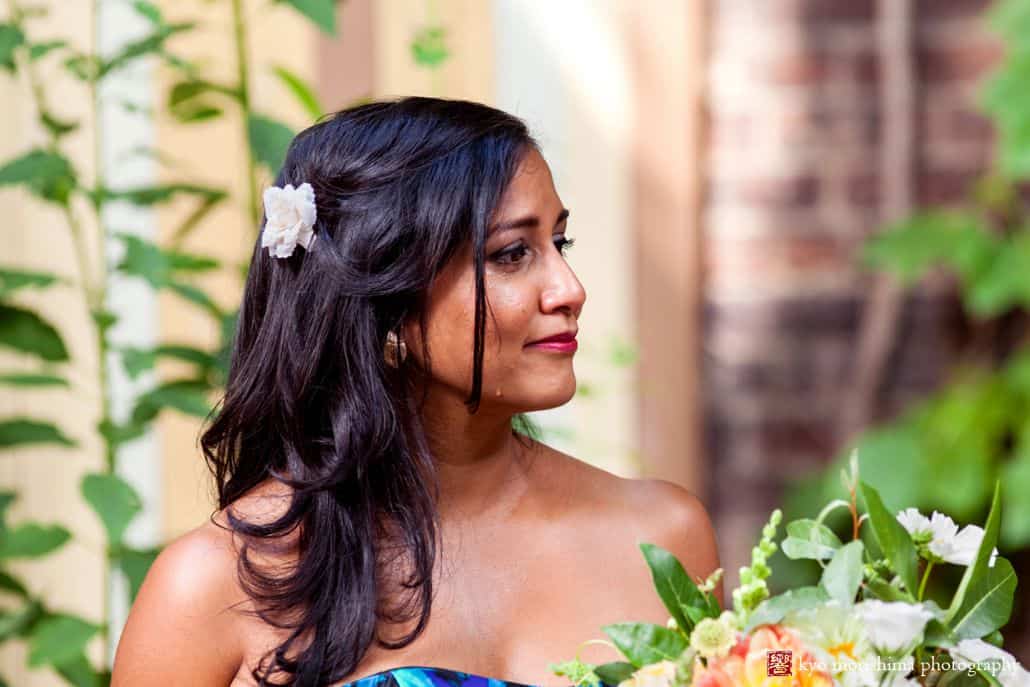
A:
{"x":400,"y":185}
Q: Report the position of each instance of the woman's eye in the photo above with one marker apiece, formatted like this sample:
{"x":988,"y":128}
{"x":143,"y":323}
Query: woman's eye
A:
{"x":511,"y":255}
{"x":564,"y":244}
{"x":514,"y":255}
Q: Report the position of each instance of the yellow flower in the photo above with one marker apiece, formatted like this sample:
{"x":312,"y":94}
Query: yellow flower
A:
{"x":747,"y":664}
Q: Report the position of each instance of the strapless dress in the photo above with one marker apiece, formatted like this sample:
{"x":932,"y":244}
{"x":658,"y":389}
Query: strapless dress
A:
{"x":433,"y":676}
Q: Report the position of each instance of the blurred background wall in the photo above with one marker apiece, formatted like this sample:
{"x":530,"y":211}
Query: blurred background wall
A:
{"x":723,"y":161}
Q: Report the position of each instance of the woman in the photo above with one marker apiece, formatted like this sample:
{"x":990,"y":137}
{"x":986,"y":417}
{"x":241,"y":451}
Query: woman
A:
{"x":370,"y":456}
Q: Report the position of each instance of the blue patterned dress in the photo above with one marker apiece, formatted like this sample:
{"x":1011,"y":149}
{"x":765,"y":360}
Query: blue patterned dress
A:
{"x":431,"y":676}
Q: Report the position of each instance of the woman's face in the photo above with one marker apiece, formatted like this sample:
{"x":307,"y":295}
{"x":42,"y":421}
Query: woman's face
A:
{"x":531,"y":294}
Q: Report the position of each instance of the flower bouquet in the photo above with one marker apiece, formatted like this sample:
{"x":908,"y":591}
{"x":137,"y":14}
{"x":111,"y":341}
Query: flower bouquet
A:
{"x":865,"y":624}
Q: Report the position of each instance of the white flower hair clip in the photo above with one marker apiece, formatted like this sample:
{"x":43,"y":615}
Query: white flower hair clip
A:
{"x":289,"y":219}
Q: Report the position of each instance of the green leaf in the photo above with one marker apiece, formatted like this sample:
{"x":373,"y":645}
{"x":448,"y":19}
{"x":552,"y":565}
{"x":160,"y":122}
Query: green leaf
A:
{"x":11,"y":38}
{"x":78,"y":671}
{"x":57,"y":127}
{"x":977,"y":575}
{"x":321,"y":12}
{"x":164,"y":193}
{"x":614,"y":672}
{"x":1003,"y":284}
{"x":18,"y":623}
{"x":809,"y":539}
{"x":644,"y":643}
{"x":114,"y":501}
{"x":843,"y":574}
{"x":269,"y":141}
{"x":186,"y":395}
{"x":188,"y":101}
{"x":12,"y":279}
{"x":139,"y":360}
{"x":31,"y":380}
{"x":301,"y":90}
{"x":988,"y":604}
{"x":47,"y":174}
{"x":152,"y":44}
{"x":149,"y":11}
{"x":25,"y":331}
{"x":773,"y":609}
{"x":158,"y":266}
{"x":120,"y":434}
{"x":674,"y":586}
{"x":12,"y":585}
{"x":1015,"y":485}
{"x":32,"y":540}
{"x":892,"y":537}
{"x":24,"y":432}
{"x":429,"y":46}
{"x":134,"y":564}
{"x":59,"y":640}
{"x":198,"y":297}
{"x":6,"y":499}
{"x":909,"y":249}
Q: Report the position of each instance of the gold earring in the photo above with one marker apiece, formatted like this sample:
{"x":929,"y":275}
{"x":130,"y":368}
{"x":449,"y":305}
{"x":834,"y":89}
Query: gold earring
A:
{"x":392,"y":348}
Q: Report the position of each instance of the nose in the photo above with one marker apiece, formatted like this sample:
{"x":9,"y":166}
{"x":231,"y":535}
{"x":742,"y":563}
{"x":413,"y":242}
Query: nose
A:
{"x":563,"y":289}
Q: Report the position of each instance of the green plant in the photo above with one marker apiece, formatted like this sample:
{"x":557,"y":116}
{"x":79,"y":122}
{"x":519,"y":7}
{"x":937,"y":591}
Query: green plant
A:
{"x":55,"y":638}
{"x":948,"y":451}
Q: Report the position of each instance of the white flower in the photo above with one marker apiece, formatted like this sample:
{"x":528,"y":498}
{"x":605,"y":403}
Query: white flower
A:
{"x":964,"y":546}
{"x":996,"y":661}
{"x":661,"y":674}
{"x":290,"y":219}
{"x":838,"y":638}
{"x":943,"y":538}
{"x":897,"y":677}
{"x":915,"y":522}
{"x":894,"y":627}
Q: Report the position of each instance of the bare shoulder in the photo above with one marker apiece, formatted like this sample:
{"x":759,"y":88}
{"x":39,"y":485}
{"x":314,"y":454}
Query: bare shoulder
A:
{"x":181,"y":628}
{"x":680,"y":523}
{"x":189,"y":623}
{"x":650,"y":510}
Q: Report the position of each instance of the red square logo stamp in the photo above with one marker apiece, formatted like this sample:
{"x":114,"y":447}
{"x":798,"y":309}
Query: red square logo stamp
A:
{"x":778,"y":663}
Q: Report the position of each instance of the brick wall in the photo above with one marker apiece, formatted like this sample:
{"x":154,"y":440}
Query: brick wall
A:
{"x":793,"y":166}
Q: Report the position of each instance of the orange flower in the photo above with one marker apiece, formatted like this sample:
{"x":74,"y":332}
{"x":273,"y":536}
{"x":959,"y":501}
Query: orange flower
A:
{"x":747,"y":664}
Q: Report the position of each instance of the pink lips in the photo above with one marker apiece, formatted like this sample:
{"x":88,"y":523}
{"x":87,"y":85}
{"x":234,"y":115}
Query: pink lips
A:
{"x":562,"y":343}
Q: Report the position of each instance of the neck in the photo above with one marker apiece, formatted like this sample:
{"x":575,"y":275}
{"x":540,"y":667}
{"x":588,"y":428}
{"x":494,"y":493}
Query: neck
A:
{"x":482,"y":467}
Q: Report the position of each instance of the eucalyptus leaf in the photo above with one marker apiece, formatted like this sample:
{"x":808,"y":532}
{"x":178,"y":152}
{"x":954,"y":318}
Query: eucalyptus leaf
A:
{"x":773,"y":609}
{"x":114,"y":501}
{"x":644,"y":643}
{"x":843,"y":574}
{"x":27,"y":432}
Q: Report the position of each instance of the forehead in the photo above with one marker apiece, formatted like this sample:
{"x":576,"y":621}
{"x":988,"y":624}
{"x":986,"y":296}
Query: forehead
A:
{"x":531,"y":188}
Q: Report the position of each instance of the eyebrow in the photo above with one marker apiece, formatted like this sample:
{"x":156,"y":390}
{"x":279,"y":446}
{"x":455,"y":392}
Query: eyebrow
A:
{"x":530,"y":221}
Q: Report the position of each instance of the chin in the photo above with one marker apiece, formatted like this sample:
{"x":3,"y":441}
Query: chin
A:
{"x":556,"y":394}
